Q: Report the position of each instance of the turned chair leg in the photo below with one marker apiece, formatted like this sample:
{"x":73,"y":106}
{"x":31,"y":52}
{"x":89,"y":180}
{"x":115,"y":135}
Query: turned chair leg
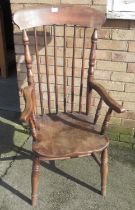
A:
{"x":104,"y":170}
{"x":35,"y":180}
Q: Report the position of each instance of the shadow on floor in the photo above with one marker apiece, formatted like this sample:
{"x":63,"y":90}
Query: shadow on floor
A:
{"x":27,"y":154}
{"x":10,"y":131}
{"x":9,"y":94}
{"x":10,"y":144}
{"x":118,"y":157}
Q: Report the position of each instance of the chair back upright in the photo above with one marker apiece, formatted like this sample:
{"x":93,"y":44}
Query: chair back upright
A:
{"x":63,"y":90}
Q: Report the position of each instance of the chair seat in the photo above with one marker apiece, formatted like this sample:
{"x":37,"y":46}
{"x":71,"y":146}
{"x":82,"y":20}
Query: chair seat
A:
{"x":67,"y":135}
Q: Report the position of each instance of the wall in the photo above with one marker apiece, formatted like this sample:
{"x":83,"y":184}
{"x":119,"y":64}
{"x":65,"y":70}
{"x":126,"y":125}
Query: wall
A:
{"x":115,"y":66}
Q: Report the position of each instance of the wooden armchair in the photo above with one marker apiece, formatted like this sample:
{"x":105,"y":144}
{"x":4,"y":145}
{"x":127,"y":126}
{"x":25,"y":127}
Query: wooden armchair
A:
{"x":64,"y":135}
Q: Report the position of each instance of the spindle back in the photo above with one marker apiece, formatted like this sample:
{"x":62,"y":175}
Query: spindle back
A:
{"x":70,"y":88}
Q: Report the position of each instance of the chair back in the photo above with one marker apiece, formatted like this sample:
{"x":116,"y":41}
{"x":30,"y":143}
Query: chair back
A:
{"x":67,"y":64}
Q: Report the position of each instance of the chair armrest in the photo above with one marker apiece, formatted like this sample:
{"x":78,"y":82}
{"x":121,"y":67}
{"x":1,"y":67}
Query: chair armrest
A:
{"x":106,"y":98}
{"x":28,"y":95}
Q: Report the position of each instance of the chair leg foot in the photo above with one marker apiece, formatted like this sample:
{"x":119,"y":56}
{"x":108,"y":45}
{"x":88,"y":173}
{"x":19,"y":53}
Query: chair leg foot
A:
{"x":104,"y":171}
{"x":35,"y":180}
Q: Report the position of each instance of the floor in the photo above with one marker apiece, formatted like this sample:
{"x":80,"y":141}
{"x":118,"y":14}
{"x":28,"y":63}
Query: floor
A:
{"x":9,"y":98}
{"x":71,"y":185}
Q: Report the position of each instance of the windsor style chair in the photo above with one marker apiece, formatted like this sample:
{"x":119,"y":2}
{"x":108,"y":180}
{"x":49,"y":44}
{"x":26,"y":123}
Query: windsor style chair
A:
{"x":69,"y":134}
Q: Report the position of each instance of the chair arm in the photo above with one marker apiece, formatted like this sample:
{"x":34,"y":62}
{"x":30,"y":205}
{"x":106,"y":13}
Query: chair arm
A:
{"x":106,"y":98}
{"x":28,"y":95}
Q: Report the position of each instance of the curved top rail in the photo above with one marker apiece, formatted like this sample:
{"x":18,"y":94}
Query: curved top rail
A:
{"x":59,"y":15}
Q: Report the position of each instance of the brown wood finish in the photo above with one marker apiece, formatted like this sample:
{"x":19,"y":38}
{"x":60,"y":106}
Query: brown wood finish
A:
{"x":82,"y":72}
{"x":38,"y":71}
{"x":55,"y":71}
{"x":68,"y":135}
{"x":47,"y":71}
{"x":29,"y":106}
{"x":104,"y":171}
{"x":65,"y":135}
{"x":28,"y":59}
{"x":96,"y":158}
{"x":92,"y":60}
{"x":106,"y":98}
{"x":98,"y":110}
{"x":62,"y":14}
{"x":64,"y":69}
{"x":106,"y":121}
{"x":35,"y":180}
{"x":73,"y":71}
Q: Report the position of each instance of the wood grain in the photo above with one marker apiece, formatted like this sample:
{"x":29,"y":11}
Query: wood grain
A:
{"x":73,"y":71}
{"x":82,"y":70}
{"x":47,"y":69}
{"x":73,"y":15}
{"x":92,"y":60}
{"x":38,"y":71}
{"x":65,"y":135}
{"x":106,"y":97}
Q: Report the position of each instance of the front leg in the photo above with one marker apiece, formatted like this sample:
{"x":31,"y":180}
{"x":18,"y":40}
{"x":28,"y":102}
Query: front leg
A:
{"x":35,"y":180}
{"x":104,"y":170}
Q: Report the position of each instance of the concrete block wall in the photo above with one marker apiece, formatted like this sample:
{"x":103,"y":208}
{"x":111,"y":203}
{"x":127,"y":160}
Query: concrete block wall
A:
{"x":115,"y":65}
